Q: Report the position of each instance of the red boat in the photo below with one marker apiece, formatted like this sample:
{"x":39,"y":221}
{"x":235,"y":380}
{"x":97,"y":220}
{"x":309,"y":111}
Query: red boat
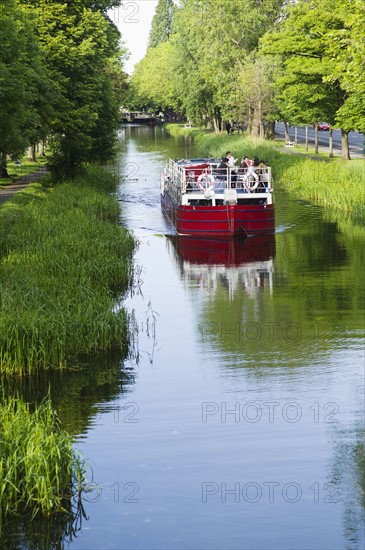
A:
{"x":202,"y":199}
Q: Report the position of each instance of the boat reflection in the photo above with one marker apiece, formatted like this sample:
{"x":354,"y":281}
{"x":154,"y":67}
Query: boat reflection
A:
{"x":235,"y":264}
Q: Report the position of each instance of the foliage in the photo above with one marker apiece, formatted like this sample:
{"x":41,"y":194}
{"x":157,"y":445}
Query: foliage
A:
{"x":162,"y":23}
{"x":346,"y":47}
{"x":79,"y":43}
{"x":24,"y":84}
{"x":153,"y":78}
{"x":61,"y":76}
{"x":257,"y":62}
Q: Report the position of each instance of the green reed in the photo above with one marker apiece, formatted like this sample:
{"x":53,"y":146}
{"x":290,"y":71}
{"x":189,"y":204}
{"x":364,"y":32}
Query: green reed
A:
{"x":334,"y":183}
{"x":65,"y":263}
{"x":39,"y":469}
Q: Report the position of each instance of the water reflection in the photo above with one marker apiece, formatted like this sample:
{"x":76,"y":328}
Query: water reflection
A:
{"x":234,"y":264}
{"x":44,"y":533}
{"x":79,"y":395}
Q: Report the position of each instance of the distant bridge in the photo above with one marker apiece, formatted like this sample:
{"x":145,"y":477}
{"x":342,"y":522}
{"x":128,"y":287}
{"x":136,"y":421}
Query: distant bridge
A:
{"x":140,"y":116}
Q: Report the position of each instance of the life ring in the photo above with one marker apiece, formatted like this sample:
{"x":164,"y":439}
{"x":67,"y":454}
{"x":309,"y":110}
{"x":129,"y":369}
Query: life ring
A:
{"x":251,"y":174}
{"x":206,"y":181}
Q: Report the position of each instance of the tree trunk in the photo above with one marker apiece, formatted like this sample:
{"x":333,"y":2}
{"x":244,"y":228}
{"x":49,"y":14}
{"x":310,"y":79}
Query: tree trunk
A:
{"x":316,"y":138}
{"x":287,"y":136}
{"x":43,"y":148}
{"x":270,"y":130}
{"x":296,"y":135}
{"x":217,"y":119}
{"x":345,"y":145}
{"x":3,"y":170}
{"x":330,"y":139}
{"x":255,"y":128}
{"x":249,"y":120}
{"x":306,"y":138}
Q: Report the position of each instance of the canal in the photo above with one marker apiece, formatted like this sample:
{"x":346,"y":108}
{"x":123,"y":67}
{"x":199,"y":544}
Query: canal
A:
{"x":238,"y":420}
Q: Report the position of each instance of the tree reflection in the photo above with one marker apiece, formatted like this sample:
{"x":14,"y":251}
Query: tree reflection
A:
{"x":44,"y":533}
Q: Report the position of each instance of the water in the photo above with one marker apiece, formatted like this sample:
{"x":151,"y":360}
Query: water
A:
{"x":240,"y":425}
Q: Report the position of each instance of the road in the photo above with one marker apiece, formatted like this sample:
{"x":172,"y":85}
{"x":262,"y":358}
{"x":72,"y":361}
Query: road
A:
{"x":356,"y":139}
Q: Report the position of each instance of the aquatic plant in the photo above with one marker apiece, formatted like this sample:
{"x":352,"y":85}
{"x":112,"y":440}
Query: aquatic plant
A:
{"x":65,"y":263}
{"x":39,"y":469}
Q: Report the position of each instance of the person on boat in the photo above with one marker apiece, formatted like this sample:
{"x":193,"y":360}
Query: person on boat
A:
{"x":206,"y":180}
{"x":263,"y":174}
{"x":223,"y":164}
{"x":232,"y":166}
{"x":231,"y":160}
{"x":246,"y":162}
{"x":250,"y":177}
{"x":221,"y":170}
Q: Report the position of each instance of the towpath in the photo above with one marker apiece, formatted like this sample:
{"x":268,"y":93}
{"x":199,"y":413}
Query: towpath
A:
{"x":9,"y":191}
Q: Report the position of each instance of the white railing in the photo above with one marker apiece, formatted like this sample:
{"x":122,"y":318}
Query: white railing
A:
{"x":251,"y":182}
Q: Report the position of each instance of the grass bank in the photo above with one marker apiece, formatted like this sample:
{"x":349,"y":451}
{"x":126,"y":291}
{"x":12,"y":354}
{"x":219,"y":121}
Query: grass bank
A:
{"x":39,"y":470}
{"x":334,"y":183}
{"x":65,"y":262}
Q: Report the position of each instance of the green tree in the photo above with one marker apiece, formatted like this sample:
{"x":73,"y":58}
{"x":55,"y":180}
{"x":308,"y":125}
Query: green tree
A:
{"x":314,"y":41}
{"x":346,"y":47}
{"x":162,"y":26}
{"x":154,"y":77}
{"x":24,"y":83}
{"x":84,"y":58}
{"x":213,"y":41}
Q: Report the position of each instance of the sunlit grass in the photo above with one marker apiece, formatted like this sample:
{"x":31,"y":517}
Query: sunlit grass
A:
{"x":65,"y":262}
{"x":39,"y":469}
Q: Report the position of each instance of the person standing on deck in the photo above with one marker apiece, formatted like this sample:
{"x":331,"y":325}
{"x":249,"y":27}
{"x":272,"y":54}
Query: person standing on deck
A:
{"x":232,"y":166}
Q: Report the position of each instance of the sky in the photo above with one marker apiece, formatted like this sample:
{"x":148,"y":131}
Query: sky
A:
{"x":133,"y":19}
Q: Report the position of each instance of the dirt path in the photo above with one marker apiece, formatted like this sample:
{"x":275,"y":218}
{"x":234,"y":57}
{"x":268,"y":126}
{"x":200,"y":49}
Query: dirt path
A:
{"x":9,"y":191}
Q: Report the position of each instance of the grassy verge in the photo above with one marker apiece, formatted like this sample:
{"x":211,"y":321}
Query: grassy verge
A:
{"x":65,"y":262}
{"x":39,"y":470}
{"x":334,"y":183}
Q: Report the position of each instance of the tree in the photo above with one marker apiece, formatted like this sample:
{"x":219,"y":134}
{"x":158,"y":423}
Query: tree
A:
{"x":312,"y":85}
{"x":24,"y":82}
{"x":82,"y":48}
{"x":213,"y":41}
{"x":161,"y":26}
{"x":346,"y":47}
{"x":154,"y":77}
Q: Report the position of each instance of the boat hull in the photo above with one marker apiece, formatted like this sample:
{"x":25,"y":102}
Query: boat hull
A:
{"x":220,"y":221}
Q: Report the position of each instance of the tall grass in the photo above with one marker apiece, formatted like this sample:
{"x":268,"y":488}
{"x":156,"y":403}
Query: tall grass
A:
{"x":39,"y":470}
{"x":335,"y":183}
{"x":65,"y":263}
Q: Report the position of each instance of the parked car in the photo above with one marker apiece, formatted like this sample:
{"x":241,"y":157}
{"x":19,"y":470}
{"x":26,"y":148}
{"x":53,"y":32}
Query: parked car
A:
{"x":324,"y":126}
